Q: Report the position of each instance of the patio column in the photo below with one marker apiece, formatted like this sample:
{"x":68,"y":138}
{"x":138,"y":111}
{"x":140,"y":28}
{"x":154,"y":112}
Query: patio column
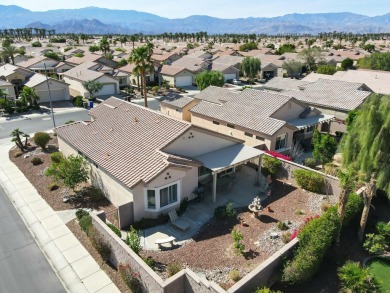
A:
{"x":215,"y":186}
{"x":329,"y":124}
{"x":259,"y":169}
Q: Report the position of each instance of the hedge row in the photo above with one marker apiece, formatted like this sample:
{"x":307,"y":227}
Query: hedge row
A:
{"x":309,"y":180}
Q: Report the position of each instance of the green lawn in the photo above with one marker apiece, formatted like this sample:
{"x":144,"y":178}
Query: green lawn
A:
{"x":380,"y":267}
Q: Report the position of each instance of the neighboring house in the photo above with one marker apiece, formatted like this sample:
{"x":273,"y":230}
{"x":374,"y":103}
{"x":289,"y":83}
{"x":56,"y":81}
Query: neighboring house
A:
{"x":199,"y":55}
{"x":234,"y":61}
{"x":195,"y":65}
{"x":40,"y":51}
{"x":133,"y":79}
{"x":59,"y":90}
{"x":177,"y":76}
{"x":86,"y":72}
{"x":262,"y":119}
{"x":20,"y":58}
{"x":146,"y":162}
{"x":70,"y":53}
{"x":166,"y":57}
{"x":8,"y":88}
{"x":332,"y":97}
{"x":63,"y":67}
{"x":268,"y":71}
{"x":279,"y":84}
{"x":16,"y":76}
{"x":88,"y":57}
{"x":229,"y":72}
{"x":37,"y":64}
{"x":253,"y":53}
{"x":378,"y":81}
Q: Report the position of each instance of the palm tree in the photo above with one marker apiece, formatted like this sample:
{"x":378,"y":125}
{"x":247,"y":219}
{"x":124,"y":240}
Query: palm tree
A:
{"x":346,"y":185}
{"x":16,"y":134}
{"x":9,"y":52}
{"x":29,"y":96}
{"x":26,"y":136}
{"x":368,"y":194}
{"x":142,"y":58}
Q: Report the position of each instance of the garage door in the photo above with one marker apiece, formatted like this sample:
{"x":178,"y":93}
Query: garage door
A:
{"x":56,"y":95}
{"x":183,"y":80}
{"x":230,"y":76}
{"x":108,"y":89}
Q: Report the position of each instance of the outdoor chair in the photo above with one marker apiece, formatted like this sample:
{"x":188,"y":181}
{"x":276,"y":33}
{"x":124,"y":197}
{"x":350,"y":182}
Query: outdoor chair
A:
{"x":177,"y":222}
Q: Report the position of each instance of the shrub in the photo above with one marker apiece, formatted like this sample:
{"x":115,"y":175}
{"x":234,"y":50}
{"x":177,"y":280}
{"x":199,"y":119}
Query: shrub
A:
{"x":115,"y":230}
{"x":41,"y":139}
{"x":375,"y":244}
{"x":36,"y":44}
{"x":173,"y":268}
{"x":314,"y":241}
{"x":237,"y":238}
{"x":85,"y":223}
{"x":78,"y":101}
{"x":234,"y":275}
{"x":286,"y":237}
{"x":100,"y":244}
{"x":69,"y":122}
{"x":17,"y":154}
{"x":149,"y":261}
{"x":53,"y":186}
{"x":325,"y":206}
{"x":271,"y":164}
{"x":130,"y":277}
{"x":266,"y":290}
{"x":309,"y":180}
{"x":133,"y":240}
{"x":36,"y":161}
{"x":282,"y":226}
{"x":311,"y":163}
{"x":326,"y":69}
{"x":56,"y":157}
{"x":354,"y":278}
{"x":383,"y":229}
{"x":81,"y":213}
{"x":353,"y":208}
{"x":331,"y":169}
{"x":155,"y":88}
{"x":225,"y":212}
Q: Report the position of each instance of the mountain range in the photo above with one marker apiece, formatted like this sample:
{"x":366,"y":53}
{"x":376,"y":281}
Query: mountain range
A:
{"x":102,"y":21}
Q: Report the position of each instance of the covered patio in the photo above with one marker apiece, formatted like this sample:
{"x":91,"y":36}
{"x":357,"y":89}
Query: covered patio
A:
{"x":223,"y":162}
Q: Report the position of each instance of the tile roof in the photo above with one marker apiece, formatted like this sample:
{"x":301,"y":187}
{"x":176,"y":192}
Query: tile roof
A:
{"x":192,"y":64}
{"x":87,"y":57}
{"x":231,"y":60}
{"x":250,"y":109}
{"x":222,"y":67}
{"x":340,"y":95}
{"x":33,"y":61}
{"x":171,"y":70}
{"x":8,"y":69}
{"x":82,"y":72}
{"x":38,"y":78}
{"x":125,"y":140}
{"x":280,"y":83}
{"x":179,"y":102}
{"x":163,"y":57}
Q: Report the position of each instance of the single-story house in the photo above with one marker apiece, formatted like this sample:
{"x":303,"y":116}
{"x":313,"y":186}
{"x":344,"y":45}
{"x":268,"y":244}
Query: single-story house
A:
{"x":7,"y":88}
{"x":145,"y":161}
{"x":86,"y":72}
{"x":37,"y":64}
{"x":229,"y":72}
{"x":133,"y":79}
{"x":177,"y":76}
{"x":88,"y":57}
{"x":63,"y":66}
{"x":199,"y":55}
{"x":15,"y":75}
{"x":261,"y":119}
{"x":166,"y":57}
{"x":59,"y":90}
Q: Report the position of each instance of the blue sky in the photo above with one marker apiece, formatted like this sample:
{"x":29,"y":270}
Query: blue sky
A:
{"x":217,"y":8}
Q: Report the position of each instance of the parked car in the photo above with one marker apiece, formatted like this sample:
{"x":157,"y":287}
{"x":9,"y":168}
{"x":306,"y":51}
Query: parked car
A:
{"x":236,"y":81}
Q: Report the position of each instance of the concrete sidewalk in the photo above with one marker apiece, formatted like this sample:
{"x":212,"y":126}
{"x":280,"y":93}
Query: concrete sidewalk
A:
{"x":72,"y":263}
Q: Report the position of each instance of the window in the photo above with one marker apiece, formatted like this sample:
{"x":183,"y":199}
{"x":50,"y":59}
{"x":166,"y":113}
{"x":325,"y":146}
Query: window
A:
{"x":248,"y":134}
{"x":230,"y":125}
{"x":202,"y":170}
{"x":260,"y":138}
{"x":151,"y":193}
{"x":281,"y":142}
{"x":168,"y":195}
{"x":310,"y":128}
{"x":216,"y":122}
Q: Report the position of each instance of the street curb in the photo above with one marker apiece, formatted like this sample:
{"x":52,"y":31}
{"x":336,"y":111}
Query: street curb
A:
{"x":48,"y":245}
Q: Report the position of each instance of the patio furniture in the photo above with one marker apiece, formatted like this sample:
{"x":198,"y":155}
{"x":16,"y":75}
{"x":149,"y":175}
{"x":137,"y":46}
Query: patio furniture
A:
{"x":165,"y":240}
{"x":199,"y":193}
{"x":177,"y":222}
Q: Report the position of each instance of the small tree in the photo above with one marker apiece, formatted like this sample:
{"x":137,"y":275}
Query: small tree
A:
{"x":324,"y":147}
{"x":72,"y":171}
{"x":41,"y":139}
{"x":237,"y":238}
{"x":346,"y":64}
{"x":207,"y":78}
{"x":293,"y":68}
{"x":92,"y":87}
{"x":311,"y":57}
{"x":16,"y":134}
{"x":271,"y":164}
{"x":133,"y":240}
{"x":251,"y":67}
{"x":354,"y":278}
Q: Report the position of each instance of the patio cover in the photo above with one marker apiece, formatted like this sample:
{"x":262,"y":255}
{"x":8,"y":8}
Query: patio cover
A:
{"x":228,"y":157}
{"x":301,"y":123}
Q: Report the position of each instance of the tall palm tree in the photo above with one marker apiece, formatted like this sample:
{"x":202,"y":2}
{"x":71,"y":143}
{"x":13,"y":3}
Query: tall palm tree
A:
{"x":9,"y":52}
{"x":346,"y":185}
{"x":142,"y":58}
{"x":368,"y":194}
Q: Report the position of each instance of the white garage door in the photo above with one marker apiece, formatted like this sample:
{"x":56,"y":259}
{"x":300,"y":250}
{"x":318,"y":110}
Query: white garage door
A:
{"x":183,"y":80}
{"x":230,"y":76}
{"x":108,"y":89}
{"x":56,"y":95}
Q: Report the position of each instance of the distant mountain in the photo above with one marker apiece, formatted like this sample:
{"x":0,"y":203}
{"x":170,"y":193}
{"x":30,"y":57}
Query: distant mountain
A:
{"x":101,"y":21}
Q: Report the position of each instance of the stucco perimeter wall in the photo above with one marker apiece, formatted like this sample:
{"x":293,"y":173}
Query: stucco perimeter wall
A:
{"x":286,"y":173}
{"x":182,"y":282}
{"x":264,"y":274}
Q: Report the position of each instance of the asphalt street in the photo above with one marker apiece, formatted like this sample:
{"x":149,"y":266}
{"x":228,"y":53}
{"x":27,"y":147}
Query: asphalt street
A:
{"x":23,"y":267}
{"x":40,"y":123}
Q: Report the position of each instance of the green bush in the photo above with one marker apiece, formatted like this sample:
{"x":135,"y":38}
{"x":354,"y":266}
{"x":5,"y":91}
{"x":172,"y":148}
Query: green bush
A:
{"x":69,"y":122}
{"x":53,"y":186}
{"x":326,"y":69}
{"x":309,"y":180}
{"x":115,"y":230}
{"x":271,"y":164}
{"x":78,"y":101}
{"x":225,"y":212}
{"x":311,"y":163}
{"x":353,"y":208}
{"x":282,"y":226}
{"x":375,"y":244}
{"x":155,"y":88}
{"x":56,"y":157}
{"x":314,"y":241}
{"x":149,"y":261}
{"x":36,"y":44}
{"x":81,"y":213}
{"x":86,"y":223}
{"x":133,"y":240}
{"x":173,"y":268}
{"x":331,"y":169}
{"x":237,"y":244}
{"x":100,"y":244}
{"x":36,"y":161}
{"x":383,"y":229}
{"x":41,"y":139}
{"x":286,"y":237}
{"x":266,"y":290}
{"x":354,"y":278}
